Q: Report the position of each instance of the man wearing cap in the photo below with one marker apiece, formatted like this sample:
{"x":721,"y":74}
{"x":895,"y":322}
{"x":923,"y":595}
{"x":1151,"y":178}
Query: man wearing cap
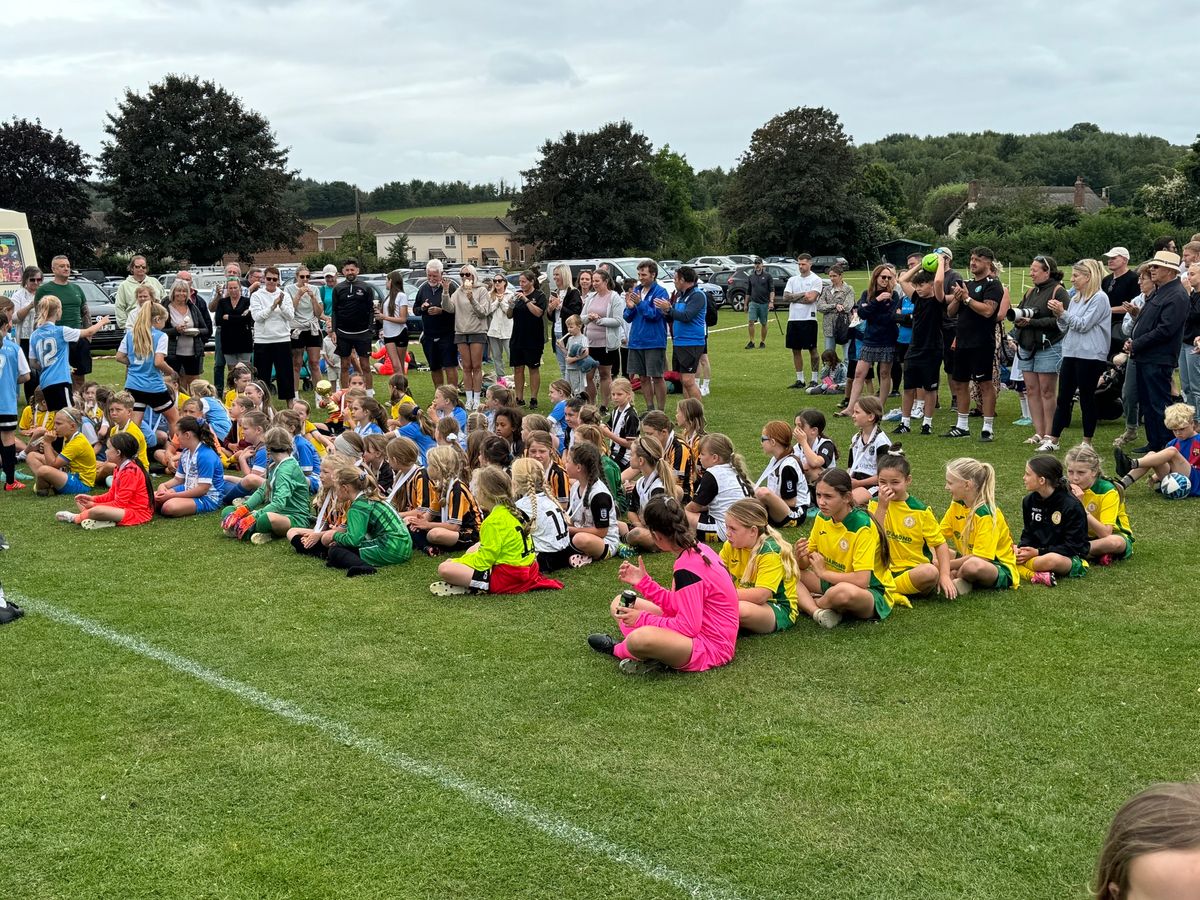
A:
{"x":1157,"y":335}
{"x":760,"y":297}
{"x":976,"y":304}
{"x":329,"y":276}
{"x":1121,"y":286}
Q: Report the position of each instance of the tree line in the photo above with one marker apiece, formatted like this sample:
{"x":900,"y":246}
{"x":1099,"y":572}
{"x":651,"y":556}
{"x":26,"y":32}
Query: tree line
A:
{"x":179,"y":190}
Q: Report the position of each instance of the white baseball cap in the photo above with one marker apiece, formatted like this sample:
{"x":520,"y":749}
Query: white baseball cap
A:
{"x":331,"y":269}
{"x":1117,"y":251}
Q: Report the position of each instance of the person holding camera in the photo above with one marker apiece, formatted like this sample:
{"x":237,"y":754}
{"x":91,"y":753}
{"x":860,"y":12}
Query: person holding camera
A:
{"x":1039,"y":343}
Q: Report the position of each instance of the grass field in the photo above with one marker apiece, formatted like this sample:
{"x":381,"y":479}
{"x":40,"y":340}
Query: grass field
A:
{"x":187,"y":716}
{"x":487,"y":208}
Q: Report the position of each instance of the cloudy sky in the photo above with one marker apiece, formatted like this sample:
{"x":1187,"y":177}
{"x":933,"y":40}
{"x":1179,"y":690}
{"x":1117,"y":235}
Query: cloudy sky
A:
{"x":375,"y":92}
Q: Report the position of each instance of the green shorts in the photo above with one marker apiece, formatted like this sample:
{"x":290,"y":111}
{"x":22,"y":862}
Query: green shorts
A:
{"x":1079,"y":567}
{"x":883,"y":609}
{"x":1004,"y":578}
{"x":785,"y":616}
{"x":1128,"y":546}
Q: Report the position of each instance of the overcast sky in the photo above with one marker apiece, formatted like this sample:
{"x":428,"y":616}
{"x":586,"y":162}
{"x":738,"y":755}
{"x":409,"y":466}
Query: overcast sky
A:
{"x":375,"y":92}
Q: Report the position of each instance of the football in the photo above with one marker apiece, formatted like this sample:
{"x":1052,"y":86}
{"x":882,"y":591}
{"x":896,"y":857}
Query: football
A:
{"x":1175,"y":486}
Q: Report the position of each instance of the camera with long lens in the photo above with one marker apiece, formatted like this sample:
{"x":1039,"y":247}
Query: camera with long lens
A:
{"x":1021,"y":314}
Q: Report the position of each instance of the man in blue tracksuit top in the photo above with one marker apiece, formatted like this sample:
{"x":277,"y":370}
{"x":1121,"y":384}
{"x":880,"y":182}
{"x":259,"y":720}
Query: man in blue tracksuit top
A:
{"x":686,"y":311}
{"x":648,"y":334}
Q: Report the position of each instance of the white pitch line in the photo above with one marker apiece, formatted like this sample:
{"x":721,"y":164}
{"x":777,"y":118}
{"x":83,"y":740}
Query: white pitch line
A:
{"x":498,"y":802}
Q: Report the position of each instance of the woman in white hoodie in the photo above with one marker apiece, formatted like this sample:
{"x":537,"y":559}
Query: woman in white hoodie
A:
{"x":273,"y":313}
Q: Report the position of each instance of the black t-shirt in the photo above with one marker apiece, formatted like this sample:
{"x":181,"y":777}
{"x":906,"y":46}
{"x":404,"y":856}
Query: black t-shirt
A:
{"x":529,"y":331}
{"x":1120,"y":290}
{"x":759,"y":287}
{"x":706,"y":490}
{"x":976,"y":330}
{"x":442,"y":324}
{"x":950,"y":278}
{"x":353,"y":308}
{"x":927,"y":318}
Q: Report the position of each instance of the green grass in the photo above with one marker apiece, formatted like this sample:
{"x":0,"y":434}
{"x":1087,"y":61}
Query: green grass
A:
{"x":487,"y":208}
{"x":967,"y":749}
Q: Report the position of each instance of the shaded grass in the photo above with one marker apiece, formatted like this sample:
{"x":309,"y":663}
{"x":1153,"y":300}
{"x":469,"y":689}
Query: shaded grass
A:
{"x":974,"y":748}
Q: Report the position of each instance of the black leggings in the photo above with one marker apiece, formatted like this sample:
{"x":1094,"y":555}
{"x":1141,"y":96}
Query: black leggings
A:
{"x":278,"y":356}
{"x":1084,"y":375}
{"x":335,"y":555}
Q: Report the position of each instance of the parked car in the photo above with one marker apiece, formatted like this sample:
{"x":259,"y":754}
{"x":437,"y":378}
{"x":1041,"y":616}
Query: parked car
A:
{"x":736,"y":283}
{"x":742,"y":259}
{"x":100,"y":304}
{"x":825,"y":263}
{"x":779,"y":259}
{"x":668,"y":266}
{"x":715,"y":263}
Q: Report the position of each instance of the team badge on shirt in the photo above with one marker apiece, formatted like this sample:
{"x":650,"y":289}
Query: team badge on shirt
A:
{"x":909,"y":521}
{"x":843,"y":544}
{"x":1056,"y":517}
{"x":1092,"y":507}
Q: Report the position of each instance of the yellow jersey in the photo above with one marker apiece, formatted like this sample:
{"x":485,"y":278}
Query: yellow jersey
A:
{"x":1103,"y":501}
{"x":912,"y":533}
{"x":989,"y":538}
{"x":44,"y":419}
{"x":852,"y":545}
{"x":309,"y":432}
{"x":769,"y":574}
{"x":81,"y":458}
{"x":131,"y":428}
{"x":395,"y":410}
{"x":230,"y":396}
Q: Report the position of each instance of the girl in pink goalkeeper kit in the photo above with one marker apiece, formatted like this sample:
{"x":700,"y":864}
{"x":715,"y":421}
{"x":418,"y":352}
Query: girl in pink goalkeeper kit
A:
{"x":691,"y":627}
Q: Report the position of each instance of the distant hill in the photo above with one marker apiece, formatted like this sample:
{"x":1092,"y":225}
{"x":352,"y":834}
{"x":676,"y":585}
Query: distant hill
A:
{"x":489,"y":208}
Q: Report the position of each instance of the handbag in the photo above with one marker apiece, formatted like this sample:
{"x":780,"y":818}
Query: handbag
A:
{"x":841,"y":327}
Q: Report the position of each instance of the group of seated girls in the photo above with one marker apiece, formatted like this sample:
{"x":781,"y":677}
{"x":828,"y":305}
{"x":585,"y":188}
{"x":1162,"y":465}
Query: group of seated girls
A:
{"x":521,"y":495}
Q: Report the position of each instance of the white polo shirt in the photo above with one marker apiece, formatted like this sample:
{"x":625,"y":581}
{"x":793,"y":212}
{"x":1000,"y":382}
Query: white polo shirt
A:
{"x":802,"y":284}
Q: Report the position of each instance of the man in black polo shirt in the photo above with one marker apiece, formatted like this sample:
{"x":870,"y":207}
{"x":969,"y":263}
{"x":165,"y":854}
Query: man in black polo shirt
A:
{"x":352,"y":324}
{"x":1121,"y":286}
{"x":760,"y":300}
{"x":437,"y":325}
{"x":976,"y":303}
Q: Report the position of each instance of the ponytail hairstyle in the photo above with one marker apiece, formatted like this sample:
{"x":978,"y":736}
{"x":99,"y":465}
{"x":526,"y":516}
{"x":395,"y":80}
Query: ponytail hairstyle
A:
{"x":692,"y":412}
{"x":409,"y":412}
{"x":126,"y":444}
{"x":191,"y":425}
{"x":895,"y":460}
{"x":494,"y":450}
{"x":352,"y":476}
{"x":839,"y":480}
{"x":449,"y":393}
{"x":349,"y":445}
{"x":476,"y":421}
{"x":590,"y":434}
{"x":201,"y":388}
{"x":814,"y":418}
{"x":871,"y":405}
{"x":534,"y":276}
{"x":751,"y":513}
{"x":402,"y":454}
{"x":395,"y":282}
{"x":562,"y":386}
{"x":49,"y":310}
{"x":658,"y":420}
{"x":721,"y":447}
{"x":290,"y":419}
{"x":982,"y":477}
{"x":492,"y":487}
{"x":777,"y":430}
{"x":666,"y":517}
{"x":532,"y":422}
{"x":500,"y":395}
{"x":445,"y":464}
{"x":474,"y":446}
{"x":544,"y":439}
{"x":447,"y":430}
{"x":398,"y":384}
{"x":278,"y":440}
{"x":1048,"y":467}
{"x":514,"y":417}
{"x":256,"y":418}
{"x":590,"y":415}
{"x":587,"y":456}
{"x":651,"y":450}
{"x":234,"y":374}
{"x":375,"y":410}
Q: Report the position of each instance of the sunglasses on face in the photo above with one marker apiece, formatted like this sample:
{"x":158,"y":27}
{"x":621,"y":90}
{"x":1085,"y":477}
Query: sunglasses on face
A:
{"x":271,"y":278}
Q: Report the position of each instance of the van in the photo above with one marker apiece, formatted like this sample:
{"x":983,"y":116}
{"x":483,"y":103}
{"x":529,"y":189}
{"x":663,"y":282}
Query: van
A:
{"x":16,"y":249}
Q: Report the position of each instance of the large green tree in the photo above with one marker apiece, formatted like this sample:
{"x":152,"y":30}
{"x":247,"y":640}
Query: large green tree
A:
{"x":193,"y":174}
{"x":797,"y":187}
{"x":44,"y":175}
{"x":684,"y":230}
{"x":592,"y":193}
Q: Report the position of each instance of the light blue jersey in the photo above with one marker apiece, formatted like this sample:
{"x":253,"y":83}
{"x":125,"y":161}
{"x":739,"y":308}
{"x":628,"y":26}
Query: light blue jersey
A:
{"x":142,"y":375}
{"x":202,"y":467}
{"x":217,"y":417}
{"x":12,"y":366}
{"x":48,"y":347}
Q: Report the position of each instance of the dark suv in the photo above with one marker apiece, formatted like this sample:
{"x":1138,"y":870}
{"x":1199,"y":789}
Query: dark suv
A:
{"x":825,"y":263}
{"x":736,"y":283}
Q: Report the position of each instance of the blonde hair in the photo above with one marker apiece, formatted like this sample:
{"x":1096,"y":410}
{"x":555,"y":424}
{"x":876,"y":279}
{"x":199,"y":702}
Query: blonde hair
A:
{"x":278,"y":440}
{"x":651,"y":450}
{"x":751,"y":513}
{"x":200,"y":387}
{"x":536,"y":422}
{"x":981,"y":476}
{"x":1179,"y":415}
{"x":476,"y":421}
{"x":692,"y":411}
{"x":492,"y":487}
{"x":622,"y":384}
{"x":352,"y":476}
{"x":143,"y":334}
{"x":49,"y":310}
{"x":444,"y":463}
{"x":563,"y":271}
{"x":528,"y":480}
{"x":721,"y":447}
{"x":1095,"y":276}
{"x":403,"y":452}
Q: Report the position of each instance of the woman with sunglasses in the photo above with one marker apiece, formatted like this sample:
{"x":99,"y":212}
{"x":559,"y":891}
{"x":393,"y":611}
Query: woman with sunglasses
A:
{"x":500,"y":328}
{"x":1039,"y":344}
{"x":273,"y":313}
{"x":308,"y":325}
{"x":24,"y":317}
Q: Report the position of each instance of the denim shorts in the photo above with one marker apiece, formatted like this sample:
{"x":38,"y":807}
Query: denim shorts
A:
{"x":1042,"y":362}
{"x":759,"y":312}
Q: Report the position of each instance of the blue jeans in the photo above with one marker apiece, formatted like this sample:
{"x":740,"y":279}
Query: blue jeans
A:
{"x":1189,"y":376}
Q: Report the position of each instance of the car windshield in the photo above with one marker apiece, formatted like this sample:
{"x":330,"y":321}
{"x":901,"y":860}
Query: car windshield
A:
{"x":92,"y":292}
